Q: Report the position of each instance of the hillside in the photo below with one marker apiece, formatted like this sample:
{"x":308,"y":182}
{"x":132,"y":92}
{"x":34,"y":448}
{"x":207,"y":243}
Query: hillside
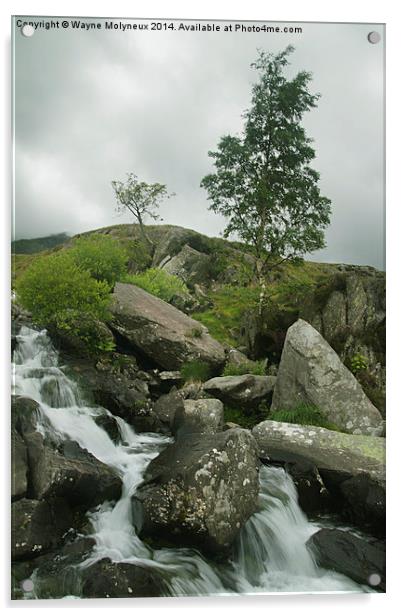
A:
{"x":38,"y":244}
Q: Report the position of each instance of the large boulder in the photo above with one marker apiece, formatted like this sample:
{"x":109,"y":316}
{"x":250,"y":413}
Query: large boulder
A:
{"x":161,"y":332}
{"x":38,"y":526}
{"x":246,"y":390}
{"x":73,"y":473}
{"x":204,"y":416}
{"x":352,"y":467}
{"x":361,"y":559}
{"x":108,"y":580}
{"x":190,"y":265}
{"x":19,"y":466}
{"x":311,"y":372}
{"x":200,"y":490}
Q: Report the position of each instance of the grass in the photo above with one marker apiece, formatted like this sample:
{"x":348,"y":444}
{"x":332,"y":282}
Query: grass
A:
{"x":305,"y":415}
{"x":245,"y":420}
{"x":195,"y":371}
{"x":248,"y":367}
{"x":158,"y":283}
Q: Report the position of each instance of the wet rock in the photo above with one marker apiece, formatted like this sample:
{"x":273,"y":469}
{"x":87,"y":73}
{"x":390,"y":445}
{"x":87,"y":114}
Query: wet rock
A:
{"x":200,"y":490}
{"x":355,"y":459}
{"x":313,"y":496}
{"x":198,"y":416}
{"x":24,"y":414}
{"x":38,"y":526}
{"x":311,"y":372}
{"x":360,"y":559}
{"x":57,"y":575}
{"x":246,"y":390}
{"x":366,"y":502}
{"x":108,"y":423}
{"x":19,"y":466}
{"x":73,"y":473}
{"x":160,"y":331}
{"x":106,"y":579}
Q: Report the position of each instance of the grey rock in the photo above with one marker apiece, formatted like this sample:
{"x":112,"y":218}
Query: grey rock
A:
{"x":167,"y":406}
{"x":19,"y":466}
{"x":360,"y":559}
{"x":108,"y":580}
{"x":246,"y":390}
{"x":200,"y":490}
{"x":24,"y":414}
{"x":203,"y":416}
{"x":311,"y":372}
{"x":190,"y":265}
{"x":74,"y":474}
{"x":160,"y":331}
{"x":352,"y":467}
{"x":38,"y":526}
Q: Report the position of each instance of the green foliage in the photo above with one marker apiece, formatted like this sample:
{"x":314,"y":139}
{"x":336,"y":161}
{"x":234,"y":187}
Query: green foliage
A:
{"x":195,"y":371}
{"x":159,"y":283}
{"x":245,"y":420}
{"x":229,"y":305}
{"x":263,"y":183}
{"x":248,"y":367}
{"x":101,"y":255}
{"x":60,"y":294}
{"x":305,"y":415}
{"x":358,"y":363}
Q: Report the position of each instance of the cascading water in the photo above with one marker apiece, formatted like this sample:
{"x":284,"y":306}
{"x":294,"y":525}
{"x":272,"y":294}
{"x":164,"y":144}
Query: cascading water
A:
{"x":270,"y":554}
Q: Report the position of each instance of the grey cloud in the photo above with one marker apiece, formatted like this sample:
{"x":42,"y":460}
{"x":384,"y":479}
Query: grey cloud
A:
{"x":92,"y":106}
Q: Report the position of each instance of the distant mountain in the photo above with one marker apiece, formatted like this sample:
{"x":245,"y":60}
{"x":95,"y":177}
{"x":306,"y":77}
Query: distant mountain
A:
{"x":37,"y":244}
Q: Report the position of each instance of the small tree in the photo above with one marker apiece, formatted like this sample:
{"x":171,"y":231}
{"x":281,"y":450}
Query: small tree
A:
{"x":140,"y":199}
{"x":263,"y":182}
{"x":102,"y":256}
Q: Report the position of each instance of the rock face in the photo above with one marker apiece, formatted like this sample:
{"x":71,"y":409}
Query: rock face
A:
{"x":360,"y":559}
{"x":73,"y":474}
{"x":38,"y":526}
{"x":352,"y":467}
{"x":200,"y":490}
{"x":246,"y":390}
{"x":107,"y":580}
{"x":203,"y":416}
{"x":349,"y":312}
{"x":311,"y":372}
{"x":164,"y":334}
{"x":19,"y":466}
{"x":190,"y":265}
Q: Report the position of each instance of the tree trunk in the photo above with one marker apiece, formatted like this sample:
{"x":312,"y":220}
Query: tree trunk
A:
{"x":143,"y":232}
{"x":261,"y":283}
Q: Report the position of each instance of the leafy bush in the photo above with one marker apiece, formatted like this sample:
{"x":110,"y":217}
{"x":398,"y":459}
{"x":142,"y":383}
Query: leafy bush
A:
{"x":305,"y":415}
{"x":60,"y":294}
{"x":195,"y":371}
{"x":247,"y":367}
{"x":358,"y":363}
{"x":101,"y":255}
{"x":159,"y":283}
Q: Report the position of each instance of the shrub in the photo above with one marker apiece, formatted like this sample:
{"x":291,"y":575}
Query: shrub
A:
{"x":195,"y":371}
{"x":247,"y":367}
{"x":60,"y":294}
{"x":159,"y":283}
{"x":305,"y":415}
{"x":358,"y":363}
{"x":102,"y":256}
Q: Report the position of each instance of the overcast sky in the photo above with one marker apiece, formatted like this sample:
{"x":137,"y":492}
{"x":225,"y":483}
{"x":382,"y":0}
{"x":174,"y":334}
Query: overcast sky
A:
{"x":93,"y":106}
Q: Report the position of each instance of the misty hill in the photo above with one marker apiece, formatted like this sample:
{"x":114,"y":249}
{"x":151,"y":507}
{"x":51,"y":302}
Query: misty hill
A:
{"x":38,"y":244}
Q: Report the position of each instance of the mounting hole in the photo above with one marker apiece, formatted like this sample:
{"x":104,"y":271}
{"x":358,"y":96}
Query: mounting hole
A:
{"x":27,"y":30}
{"x":27,"y":585}
{"x":374,"y":37}
{"x":374,"y":579}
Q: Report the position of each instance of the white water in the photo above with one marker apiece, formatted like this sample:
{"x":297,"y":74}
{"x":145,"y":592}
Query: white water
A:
{"x":270,"y":554}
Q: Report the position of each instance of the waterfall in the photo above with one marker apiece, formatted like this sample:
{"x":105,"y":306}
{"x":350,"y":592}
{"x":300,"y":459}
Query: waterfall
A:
{"x":270,"y":554}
